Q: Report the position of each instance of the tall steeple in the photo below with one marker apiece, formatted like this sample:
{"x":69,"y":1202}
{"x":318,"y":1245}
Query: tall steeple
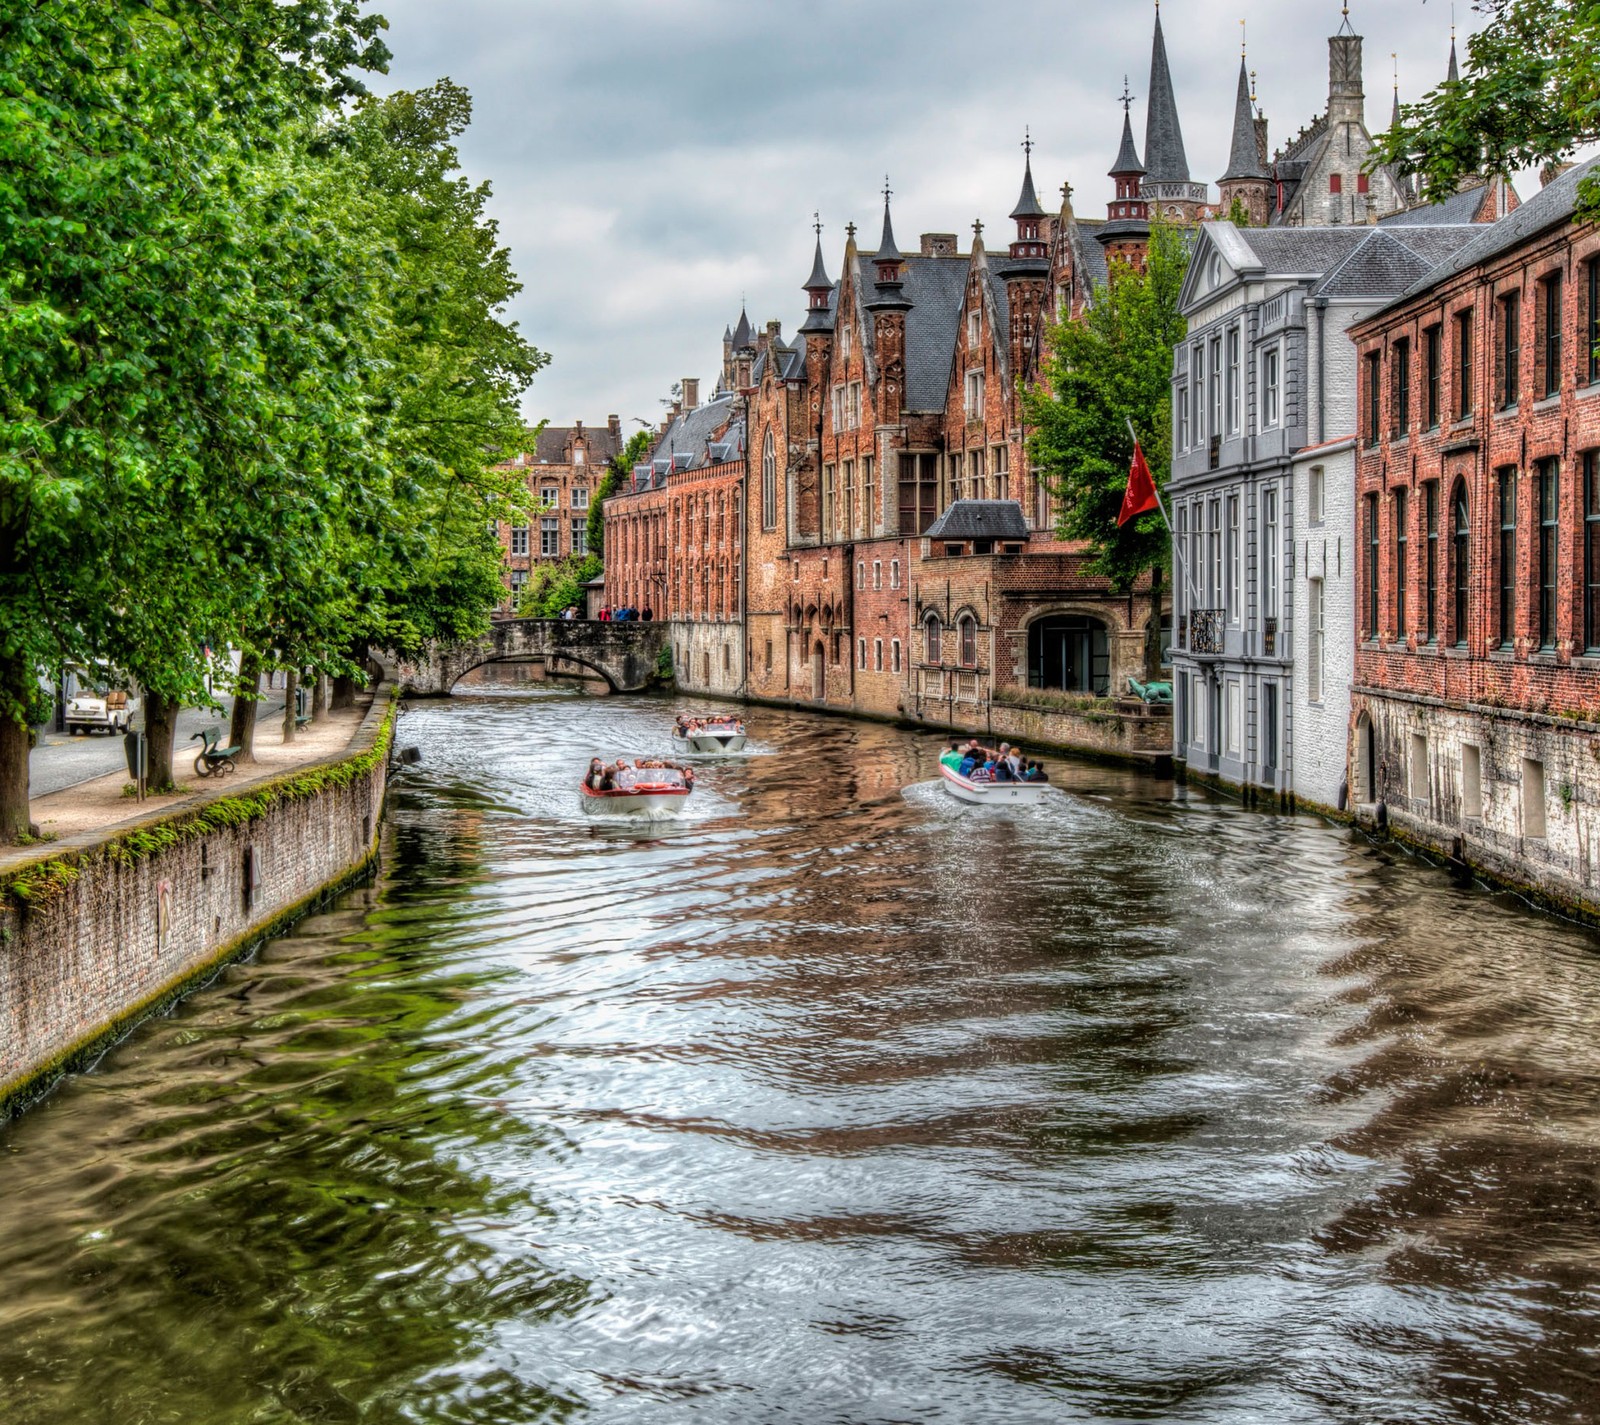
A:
{"x":1247,"y":179}
{"x":1167,"y":185}
{"x":1454,"y":75}
{"x":1126,"y":229}
{"x":1164,"y":157}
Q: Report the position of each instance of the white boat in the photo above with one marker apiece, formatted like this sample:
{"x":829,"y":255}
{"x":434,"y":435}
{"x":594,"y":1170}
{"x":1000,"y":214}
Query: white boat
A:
{"x":713,"y":737}
{"x":991,"y":793}
{"x":641,"y":799}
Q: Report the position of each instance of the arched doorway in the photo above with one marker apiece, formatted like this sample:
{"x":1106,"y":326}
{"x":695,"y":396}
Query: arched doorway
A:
{"x":819,"y":674}
{"x":1366,"y":790}
{"x":1069,"y":653}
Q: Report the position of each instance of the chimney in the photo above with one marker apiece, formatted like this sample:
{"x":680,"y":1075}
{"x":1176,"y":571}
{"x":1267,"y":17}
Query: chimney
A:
{"x":614,"y":425}
{"x":774,"y":331}
{"x":763,"y":340}
{"x":938,"y":244}
{"x":691,"y":392}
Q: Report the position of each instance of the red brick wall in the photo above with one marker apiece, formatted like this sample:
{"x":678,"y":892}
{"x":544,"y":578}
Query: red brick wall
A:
{"x":1472,"y":450}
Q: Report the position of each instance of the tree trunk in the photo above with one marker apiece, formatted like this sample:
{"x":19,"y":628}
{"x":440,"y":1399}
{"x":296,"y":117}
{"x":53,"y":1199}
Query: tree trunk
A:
{"x":344,"y":694}
{"x":15,"y":684}
{"x":319,"y":697}
{"x":160,"y":725}
{"x":242,"y":727}
{"x":291,"y":681}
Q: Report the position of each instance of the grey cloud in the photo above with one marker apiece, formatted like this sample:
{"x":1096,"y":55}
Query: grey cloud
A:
{"x":653,"y":159}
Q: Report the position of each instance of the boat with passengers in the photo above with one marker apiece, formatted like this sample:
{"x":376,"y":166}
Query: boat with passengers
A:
{"x":645,"y":787}
{"x":991,"y":777}
{"x":708,"y":734}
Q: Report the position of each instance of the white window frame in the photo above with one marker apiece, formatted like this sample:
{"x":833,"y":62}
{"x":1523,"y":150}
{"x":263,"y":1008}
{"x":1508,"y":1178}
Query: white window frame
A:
{"x":894,"y":650}
{"x":1235,"y":559}
{"x":1270,"y":552}
{"x":974,"y":395}
{"x":1272,"y":386}
{"x":877,"y":573}
{"x":1316,"y":494}
{"x":519,"y":540}
{"x":894,"y":573}
{"x":1316,"y":639}
{"x":549,"y":497}
{"x":1235,"y":383}
{"x":549,"y":535}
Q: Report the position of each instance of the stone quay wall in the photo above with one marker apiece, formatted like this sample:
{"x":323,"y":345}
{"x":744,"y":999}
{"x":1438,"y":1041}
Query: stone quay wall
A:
{"x":100,"y":931}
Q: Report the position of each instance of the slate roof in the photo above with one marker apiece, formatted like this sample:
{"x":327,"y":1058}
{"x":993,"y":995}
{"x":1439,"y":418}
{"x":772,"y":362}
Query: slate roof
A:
{"x":1300,"y":252}
{"x":1028,"y":202}
{"x":1244,"y":159}
{"x":550,"y":448}
{"x":1459,"y":207}
{"x":819,"y":273}
{"x":1552,"y":205}
{"x":741,"y":333}
{"x":1164,"y":157}
{"x":1388,"y":262}
{"x":1088,"y":256}
{"x":980,"y":519}
{"x":694,"y":432}
{"x":934,"y":286}
{"x":1127,"y":160}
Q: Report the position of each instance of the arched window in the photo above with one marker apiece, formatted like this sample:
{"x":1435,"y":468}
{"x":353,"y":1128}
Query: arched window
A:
{"x":1071,"y":654}
{"x":1461,"y":535}
{"x":933,"y":634}
{"x":967,"y":627}
{"x":769,"y":483}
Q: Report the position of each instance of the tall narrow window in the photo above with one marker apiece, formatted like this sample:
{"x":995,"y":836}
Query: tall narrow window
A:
{"x":1591,"y":357}
{"x":1551,"y":349}
{"x":1216,"y":385}
{"x":1316,"y":623}
{"x":1510,"y":349}
{"x":1269,"y":560}
{"x":869,"y":498}
{"x":1461,"y":541}
{"x":1235,"y":563}
{"x":1591,"y":552}
{"x":1197,"y":368}
{"x":1215,"y":588}
{"x":1183,"y":418}
{"x":1180,"y":546}
{"x":1271,"y":387}
{"x":967,"y":628}
{"x":769,"y":483}
{"x":1431,"y":358}
{"x":1508,"y":557}
{"x":1374,"y":397}
{"x":1372,"y":566}
{"x":933,"y":638}
{"x":1549,"y":497}
{"x":1235,"y":394}
{"x":1402,"y":547}
{"x":1402,"y":388}
{"x":1464,"y":359}
{"x":1430,"y":567}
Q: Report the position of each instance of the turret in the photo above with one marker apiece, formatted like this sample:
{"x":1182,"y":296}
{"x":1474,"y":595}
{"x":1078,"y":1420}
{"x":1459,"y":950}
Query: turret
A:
{"x":1347,"y":100}
{"x":819,"y":291}
{"x":888,"y":264}
{"x":1029,"y":216}
{"x":1126,"y":230}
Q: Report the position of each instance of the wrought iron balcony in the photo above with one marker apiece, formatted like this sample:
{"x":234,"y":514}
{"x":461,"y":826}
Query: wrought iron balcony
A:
{"x":1205,"y":631}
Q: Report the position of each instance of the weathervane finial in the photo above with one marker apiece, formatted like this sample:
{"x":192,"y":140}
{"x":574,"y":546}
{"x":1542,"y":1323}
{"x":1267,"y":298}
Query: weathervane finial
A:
{"x":816,"y":223}
{"x":1027,"y":141}
{"x":1243,"y":47}
{"x":1127,"y":95}
{"x":888,"y":192}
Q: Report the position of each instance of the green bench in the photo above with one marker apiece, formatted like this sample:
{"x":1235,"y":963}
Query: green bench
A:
{"x":213,"y":761}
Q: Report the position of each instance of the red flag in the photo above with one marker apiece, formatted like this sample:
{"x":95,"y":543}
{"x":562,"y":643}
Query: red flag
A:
{"x":1141,"y":496}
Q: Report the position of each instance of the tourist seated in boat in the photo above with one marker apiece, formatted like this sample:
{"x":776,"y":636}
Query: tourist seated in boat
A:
{"x":626,"y":777}
{"x":958,"y":750}
{"x":1037,"y":773}
{"x":1001,"y":767}
{"x":594,"y":779}
{"x":982,"y":772}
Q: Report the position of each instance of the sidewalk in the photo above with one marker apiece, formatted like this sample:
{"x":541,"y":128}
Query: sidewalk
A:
{"x":99,"y":805}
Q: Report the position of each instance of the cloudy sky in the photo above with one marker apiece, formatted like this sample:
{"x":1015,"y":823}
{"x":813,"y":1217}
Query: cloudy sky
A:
{"x":654,"y":160}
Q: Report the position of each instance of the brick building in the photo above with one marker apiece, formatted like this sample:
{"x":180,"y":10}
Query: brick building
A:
{"x":1477,"y":672}
{"x":562,"y":472}
{"x":675,"y":538}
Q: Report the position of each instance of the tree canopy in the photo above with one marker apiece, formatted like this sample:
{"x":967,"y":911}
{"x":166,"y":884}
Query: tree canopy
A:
{"x":1529,"y":94}
{"x":1110,"y":368}
{"x":253,"y":357}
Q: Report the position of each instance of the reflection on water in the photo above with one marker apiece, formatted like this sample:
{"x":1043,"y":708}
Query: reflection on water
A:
{"x":832,"y":1100}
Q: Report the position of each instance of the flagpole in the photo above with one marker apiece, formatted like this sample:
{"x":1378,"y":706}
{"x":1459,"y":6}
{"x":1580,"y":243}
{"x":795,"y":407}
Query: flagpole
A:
{"x":1177,"y":543}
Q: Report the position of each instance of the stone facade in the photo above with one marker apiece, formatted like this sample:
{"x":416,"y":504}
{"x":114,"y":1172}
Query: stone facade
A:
{"x":1478,"y":529}
{"x":131,"y":932}
{"x":562,"y":473}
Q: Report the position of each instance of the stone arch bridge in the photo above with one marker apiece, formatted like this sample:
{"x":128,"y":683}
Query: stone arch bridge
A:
{"x":624,"y":654}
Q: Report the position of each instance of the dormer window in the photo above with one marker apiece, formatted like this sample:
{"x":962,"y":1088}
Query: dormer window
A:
{"x":844,"y":343}
{"x":578,"y":455}
{"x":974,"y":329}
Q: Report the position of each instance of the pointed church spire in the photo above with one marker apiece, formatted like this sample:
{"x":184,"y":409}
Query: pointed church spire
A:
{"x":1164,"y":157}
{"x":890,"y":264}
{"x":1028,"y":202}
{"x":1127,"y":160}
{"x":1454,"y":76}
{"x":818,"y":289}
{"x":819,"y":281}
{"x":887,"y":251}
{"x":1244,"y":157}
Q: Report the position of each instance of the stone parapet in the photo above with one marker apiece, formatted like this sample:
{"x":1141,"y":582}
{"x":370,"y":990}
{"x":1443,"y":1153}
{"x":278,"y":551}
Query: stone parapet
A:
{"x":103,"y":929}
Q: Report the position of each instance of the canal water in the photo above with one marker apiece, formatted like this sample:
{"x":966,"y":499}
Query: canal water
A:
{"x":833,"y":1102}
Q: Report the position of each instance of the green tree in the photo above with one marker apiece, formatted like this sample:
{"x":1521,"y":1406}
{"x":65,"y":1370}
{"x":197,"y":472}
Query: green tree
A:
{"x":127,"y":131}
{"x":556,"y":586}
{"x":1529,"y":94}
{"x":1113,"y":367}
{"x":618,"y":476}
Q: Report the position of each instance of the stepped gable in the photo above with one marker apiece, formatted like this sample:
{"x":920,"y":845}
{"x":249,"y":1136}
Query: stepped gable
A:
{"x":553,"y":443}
